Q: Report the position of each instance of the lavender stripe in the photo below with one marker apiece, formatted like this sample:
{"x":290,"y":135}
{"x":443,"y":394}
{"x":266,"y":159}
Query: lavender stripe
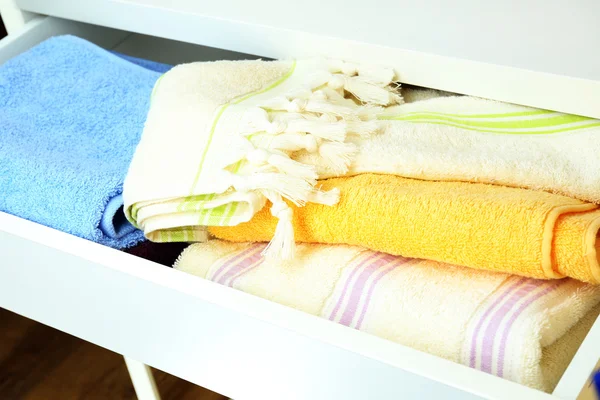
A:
{"x":357,"y":290}
{"x":233,"y":258}
{"x":502,"y":296}
{"x":489,"y":336}
{"x":502,"y":350}
{"x":344,"y":290}
{"x":244,"y":272}
{"x":400,"y":262}
{"x":241,"y":264}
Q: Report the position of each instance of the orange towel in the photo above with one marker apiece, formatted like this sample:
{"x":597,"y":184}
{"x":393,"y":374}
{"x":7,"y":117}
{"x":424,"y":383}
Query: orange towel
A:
{"x":496,"y":228}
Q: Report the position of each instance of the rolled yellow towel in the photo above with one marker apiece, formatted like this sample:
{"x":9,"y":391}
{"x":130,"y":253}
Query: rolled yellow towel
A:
{"x":496,"y":228}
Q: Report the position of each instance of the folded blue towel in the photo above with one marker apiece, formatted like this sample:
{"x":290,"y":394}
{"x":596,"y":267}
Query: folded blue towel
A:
{"x":71,"y":115}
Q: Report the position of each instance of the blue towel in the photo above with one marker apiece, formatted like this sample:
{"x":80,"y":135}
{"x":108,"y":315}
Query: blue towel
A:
{"x":71,"y":115}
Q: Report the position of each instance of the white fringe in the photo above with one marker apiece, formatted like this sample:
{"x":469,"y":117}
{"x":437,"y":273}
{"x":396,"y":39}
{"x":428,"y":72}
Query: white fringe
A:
{"x":329,"y":198}
{"x":282,"y":246}
{"x":290,"y":187}
{"x":335,"y":131}
{"x":343,"y":99}
{"x":364,"y":128}
{"x":293,"y":168}
{"x":337,"y":156}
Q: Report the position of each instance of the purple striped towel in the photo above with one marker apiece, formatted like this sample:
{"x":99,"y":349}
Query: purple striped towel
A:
{"x":497,"y":323}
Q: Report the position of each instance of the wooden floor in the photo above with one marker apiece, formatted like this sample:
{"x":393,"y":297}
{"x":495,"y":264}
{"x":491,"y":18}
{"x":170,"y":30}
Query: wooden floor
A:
{"x":40,"y":363}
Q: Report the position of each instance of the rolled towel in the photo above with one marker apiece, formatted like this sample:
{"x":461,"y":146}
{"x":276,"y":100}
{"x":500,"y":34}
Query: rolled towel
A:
{"x":522,"y":329}
{"x":469,"y":139}
{"x":524,"y":232}
{"x":71,"y":115}
{"x":219,"y":139}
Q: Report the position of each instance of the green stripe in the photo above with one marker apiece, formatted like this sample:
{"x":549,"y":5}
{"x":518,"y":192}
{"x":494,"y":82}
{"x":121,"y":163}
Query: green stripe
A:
{"x":510,"y":124}
{"x":155,"y":86}
{"x":271,"y":86}
{"x":222,"y":110}
{"x":571,"y":128}
{"x":178,"y":236}
{"x":496,"y":115}
{"x":205,"y":150}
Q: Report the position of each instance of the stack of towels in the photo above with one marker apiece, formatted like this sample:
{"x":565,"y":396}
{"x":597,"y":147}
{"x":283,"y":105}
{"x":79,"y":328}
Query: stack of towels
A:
{"x":459,"y":226}
{"x":71,"y":115}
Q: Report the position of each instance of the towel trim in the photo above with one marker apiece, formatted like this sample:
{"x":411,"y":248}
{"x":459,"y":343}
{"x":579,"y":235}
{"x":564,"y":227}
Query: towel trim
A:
{"x":548,"y":264}
{"x":521,"y":123}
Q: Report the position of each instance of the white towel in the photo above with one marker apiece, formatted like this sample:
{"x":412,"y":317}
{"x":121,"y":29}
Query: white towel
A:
{"x":522,"y":329}
{"x":219,"y":137}
{"x":462,"y":138}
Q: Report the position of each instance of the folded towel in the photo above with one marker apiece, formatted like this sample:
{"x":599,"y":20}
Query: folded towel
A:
{"x":516,"y":328}
{"x":218,"y":139}
{"x":461,"y":138}
{"x":71,"y":115}
{"x":497,"y":228}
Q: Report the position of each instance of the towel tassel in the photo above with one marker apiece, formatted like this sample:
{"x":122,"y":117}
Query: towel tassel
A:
{"x":370,"y":85}
{"x":328,"y":198}
{"x":299,"y":105}
{"x":364,"y":129}
{"x":318,"y":118}
{"x":335,"y":131}
{"x":282,"y":246}
{"x":283,"y":163}
{"x":364,"y":90}
{"x":256,"y":120}
{"x":290,"y":187}
{"x":337,"y":156}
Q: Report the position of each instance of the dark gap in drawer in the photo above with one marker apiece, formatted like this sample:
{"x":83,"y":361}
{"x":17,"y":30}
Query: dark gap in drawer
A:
{"x":161,"y":253}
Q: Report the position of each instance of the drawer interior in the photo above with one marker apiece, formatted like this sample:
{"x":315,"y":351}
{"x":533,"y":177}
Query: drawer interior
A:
{"x":147,"y":280}
{"x":132,"y":44}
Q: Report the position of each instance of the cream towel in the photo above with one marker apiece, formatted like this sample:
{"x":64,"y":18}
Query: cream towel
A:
{"x":497,"y":228}
{"x":461,"y":138}
{"x":505,"y":325}
{"x":218,"y":139}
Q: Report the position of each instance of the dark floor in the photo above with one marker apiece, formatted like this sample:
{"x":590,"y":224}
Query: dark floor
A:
{"x":40,"y":363}
{"x":2,"y":30}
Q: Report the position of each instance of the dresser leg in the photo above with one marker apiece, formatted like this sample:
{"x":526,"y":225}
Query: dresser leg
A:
{"x":13,"y":17}
{"x":142,"y":379}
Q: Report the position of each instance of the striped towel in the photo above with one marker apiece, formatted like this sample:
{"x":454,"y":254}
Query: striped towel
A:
{"x":461,"y":138}
{"x":219,"y":138}
{"x":522,"y":329}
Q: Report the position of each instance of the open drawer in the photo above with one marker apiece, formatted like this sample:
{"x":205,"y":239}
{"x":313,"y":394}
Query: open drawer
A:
{"x":210,"y":334}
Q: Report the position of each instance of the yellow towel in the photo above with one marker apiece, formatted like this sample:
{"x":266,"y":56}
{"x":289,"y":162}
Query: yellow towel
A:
{"x":503,"y":229}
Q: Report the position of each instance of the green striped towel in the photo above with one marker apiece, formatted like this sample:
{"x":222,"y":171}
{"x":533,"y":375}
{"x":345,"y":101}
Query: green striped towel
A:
{"x":220,"y":137}
{"x":462,"y":138}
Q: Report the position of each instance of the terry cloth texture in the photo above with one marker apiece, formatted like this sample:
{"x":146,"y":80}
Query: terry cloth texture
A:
{"x":469,"y":139}
{"x":71,"y":115}
{"x":519,"y":231}
{"x":522,"y":329}
{"x":219,"y":136}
